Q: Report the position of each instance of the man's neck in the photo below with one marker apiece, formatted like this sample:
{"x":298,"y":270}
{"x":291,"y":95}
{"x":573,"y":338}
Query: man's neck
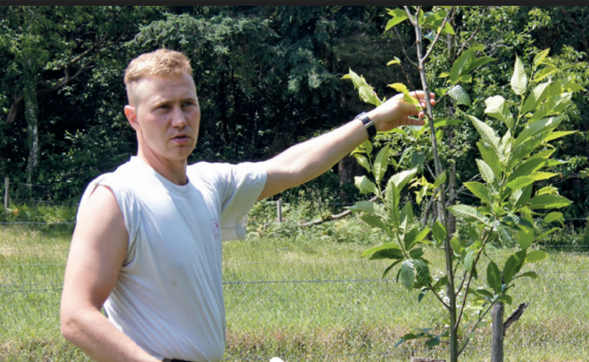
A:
{"x":173,"y":170}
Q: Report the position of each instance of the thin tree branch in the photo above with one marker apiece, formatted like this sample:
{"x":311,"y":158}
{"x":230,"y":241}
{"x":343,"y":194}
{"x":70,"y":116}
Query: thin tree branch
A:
{"x":431,"y":47}
{"x":467,"y":288}
{"x":475,"y":177}
{"x":405,"y":51}
{"x":473,"y":33}
{"x":437,"y":296}
{"x":334,"y":217}
{"x":474,"y":327}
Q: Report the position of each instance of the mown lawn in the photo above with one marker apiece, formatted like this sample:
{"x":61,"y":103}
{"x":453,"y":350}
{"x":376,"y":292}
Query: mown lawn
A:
{"x":303,"y":295}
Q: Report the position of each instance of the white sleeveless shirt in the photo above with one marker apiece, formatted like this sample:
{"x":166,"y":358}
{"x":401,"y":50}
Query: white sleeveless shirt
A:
{"x":168,"y":297}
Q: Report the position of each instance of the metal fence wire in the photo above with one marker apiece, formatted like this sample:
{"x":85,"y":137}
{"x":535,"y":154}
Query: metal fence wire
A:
{"x":320,"y":309}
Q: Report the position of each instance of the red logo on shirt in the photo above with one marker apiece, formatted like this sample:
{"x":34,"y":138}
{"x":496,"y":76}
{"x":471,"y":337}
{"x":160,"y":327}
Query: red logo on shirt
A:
{"x":215,"y":228}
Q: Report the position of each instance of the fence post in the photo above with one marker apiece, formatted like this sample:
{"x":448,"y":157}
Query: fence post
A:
{"x":6,"y":184}
{"x":279,"y":210}
{"x":497,"y":337}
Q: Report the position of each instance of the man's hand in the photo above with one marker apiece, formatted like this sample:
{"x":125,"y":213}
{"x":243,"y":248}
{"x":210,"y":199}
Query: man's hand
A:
{"x":396,"y":112}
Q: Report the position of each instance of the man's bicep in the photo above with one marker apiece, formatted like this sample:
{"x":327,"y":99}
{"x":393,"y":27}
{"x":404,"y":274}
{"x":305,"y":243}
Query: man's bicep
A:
{"x":97,"y":251}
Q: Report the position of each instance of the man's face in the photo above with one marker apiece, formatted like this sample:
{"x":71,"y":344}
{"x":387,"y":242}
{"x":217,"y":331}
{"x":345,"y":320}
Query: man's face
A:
{"x":165,"y":113}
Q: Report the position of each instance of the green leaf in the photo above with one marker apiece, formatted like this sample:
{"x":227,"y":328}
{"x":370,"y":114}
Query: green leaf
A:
{"x":513,"y":265}
{"x":456,"y":246}
{"x":484,"y":292}
{"x":525,"y":237}
{"x":365,"y":185}
{"x":520,"y":183}
{"x":422,"y":234}
{"x":407,"y":225}
{"x":422,"y":271}
{"x":491,"y":159}
{"x":524,"y":197}
{"x":494,"y":277}
{"x":497,"y":109}
{"x":367,"y":145}
{"x":363,"y":161}
{"x":416,"y":253}
{"x":506,"y":141}
{"x":539,"y":58}
{"x":548,"y":233}
{"x":461,"y":65}
{"x":480,"y":62}
{"x":519,"y":80}
{"x":392,"y":197}
{"x":417,"y":160}
{"x":365,"y":91}
{"x":394,"y":254}
{"x":381,"y":162}
{"x":439,"y":232}
{"x":375,"y":221}
{"x":545,"y":73}
{"x":394,"y":61}
{"x":440,"y":180}
{"x":487,"y":173}
{"x":526,"y":148}
{"x":479,"y":190}
{"x":529,"y":274}
{"x":440,"y":122}
{"x":556,"y":135}
{"x":536,"y":256}
{"x":533,"y":129}
{"x":402,"y":88}
{"x":459,"y":95}
{"x":402,"y":178}
{"x":488,"y":136}
{"x":552,"y":106}
{"x":536,"y":96}
{"x":467,"y":213}
{"x":407,"y":273}
{"x":385,"y":246}
{"x":549,"y":202}
{"x":368,"y":206}
{"x":528,"y":167}
{"x":469,"y":260}
{"x":386,"y":271}
{"x":505,"y":299}
{"x":553,"y":216}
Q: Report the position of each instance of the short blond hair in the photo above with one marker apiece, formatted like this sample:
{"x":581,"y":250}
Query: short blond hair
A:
{"x":158,"y":62}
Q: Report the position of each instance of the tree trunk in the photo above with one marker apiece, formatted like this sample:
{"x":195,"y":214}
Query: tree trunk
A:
{"x":347,"y":168}
{"x":31,"y":115}
{"x":497,"y":338}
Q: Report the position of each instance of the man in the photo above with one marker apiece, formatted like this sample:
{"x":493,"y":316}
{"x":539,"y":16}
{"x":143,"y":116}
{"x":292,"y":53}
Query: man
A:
{"x":147,"y":244}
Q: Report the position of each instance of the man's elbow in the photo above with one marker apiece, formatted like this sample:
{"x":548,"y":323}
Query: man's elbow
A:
{"x":67,"y":321}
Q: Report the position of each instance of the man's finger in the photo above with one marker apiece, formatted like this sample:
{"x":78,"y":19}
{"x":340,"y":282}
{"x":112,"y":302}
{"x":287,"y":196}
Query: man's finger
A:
{"x":414,"y":122}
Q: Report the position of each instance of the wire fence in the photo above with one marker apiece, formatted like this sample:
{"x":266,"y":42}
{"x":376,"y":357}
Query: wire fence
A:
{"x":305,"y":303}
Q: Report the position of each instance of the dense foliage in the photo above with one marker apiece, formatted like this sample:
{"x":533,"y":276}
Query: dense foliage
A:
{"x":267,"y":77}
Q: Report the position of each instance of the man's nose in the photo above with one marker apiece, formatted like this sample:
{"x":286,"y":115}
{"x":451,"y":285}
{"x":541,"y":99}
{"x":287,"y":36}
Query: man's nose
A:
{"x":178,"y":117}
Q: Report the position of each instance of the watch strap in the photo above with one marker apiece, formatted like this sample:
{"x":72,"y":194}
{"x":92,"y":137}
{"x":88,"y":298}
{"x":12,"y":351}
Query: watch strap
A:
{"x":368,"y":124}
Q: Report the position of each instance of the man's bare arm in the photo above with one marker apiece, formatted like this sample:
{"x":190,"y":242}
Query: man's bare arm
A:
{"x":307,"y":160}
{"x":97,"y":251}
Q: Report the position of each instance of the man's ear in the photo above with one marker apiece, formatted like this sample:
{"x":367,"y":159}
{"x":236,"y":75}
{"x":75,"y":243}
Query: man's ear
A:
{"x":131,"y":114}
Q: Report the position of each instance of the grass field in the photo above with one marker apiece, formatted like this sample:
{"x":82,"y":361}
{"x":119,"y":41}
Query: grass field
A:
{"x":303,"y":298}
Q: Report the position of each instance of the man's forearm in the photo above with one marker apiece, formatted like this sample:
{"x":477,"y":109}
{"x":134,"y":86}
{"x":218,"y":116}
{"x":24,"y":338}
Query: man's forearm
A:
{"x":99,"y":339}
{"x":307,"y":160}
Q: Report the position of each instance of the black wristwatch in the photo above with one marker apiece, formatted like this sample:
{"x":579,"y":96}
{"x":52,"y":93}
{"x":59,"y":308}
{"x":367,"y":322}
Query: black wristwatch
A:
{"x":368,"y":124}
